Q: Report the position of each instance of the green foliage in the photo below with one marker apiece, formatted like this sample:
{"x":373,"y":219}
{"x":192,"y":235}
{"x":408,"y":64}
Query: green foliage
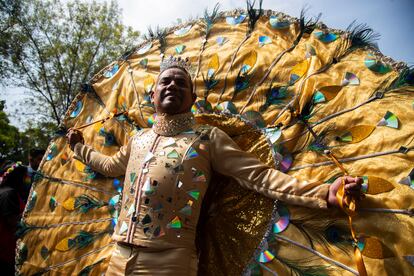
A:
{"x":56,"y":47}
{"x":9,"y":11}
{"x":16,"y":145}
{"x":9,"y":136}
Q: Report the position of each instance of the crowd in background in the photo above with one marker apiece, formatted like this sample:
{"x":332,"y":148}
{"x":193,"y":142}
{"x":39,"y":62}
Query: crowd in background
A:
{"x":15,"y":183}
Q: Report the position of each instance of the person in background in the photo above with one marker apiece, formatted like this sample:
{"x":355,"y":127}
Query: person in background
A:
{"x":15,"y":183}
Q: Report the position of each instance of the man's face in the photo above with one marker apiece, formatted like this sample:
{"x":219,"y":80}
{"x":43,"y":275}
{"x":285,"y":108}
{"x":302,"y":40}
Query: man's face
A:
{"x":173,"y":92}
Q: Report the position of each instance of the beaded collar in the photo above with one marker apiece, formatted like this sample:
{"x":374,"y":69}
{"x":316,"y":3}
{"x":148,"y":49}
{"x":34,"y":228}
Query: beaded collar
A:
{"x":171,"y":125}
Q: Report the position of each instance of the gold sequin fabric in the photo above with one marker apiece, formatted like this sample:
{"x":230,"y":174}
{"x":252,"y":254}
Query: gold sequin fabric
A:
{"x":171,"y":125}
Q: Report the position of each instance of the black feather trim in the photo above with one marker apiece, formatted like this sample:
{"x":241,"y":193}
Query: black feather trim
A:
{"x":361,"y":35}
{"x":254,"y":14}
{"x":158,"y":34}
{"x":88,"y":89}
{"x":210,"y":19}
{"x":406,"y":77}
{"x":306,"y":25}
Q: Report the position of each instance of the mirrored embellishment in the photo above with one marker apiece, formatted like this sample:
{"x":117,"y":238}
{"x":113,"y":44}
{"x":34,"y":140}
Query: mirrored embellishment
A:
{"x":266,"y":256}
{"x":146,"y":219}
{"x":179,"y":184}
{"x":350,"y":79}
{"x":77,"y":110}
{"x":194,"y":194}
{"x":144,"y":49}
{"x":318,"y":97}
{"x":255,"y":118}
{"x":151,"y":120}
{"x":148,"y":157}
{"x":117,"y":185}
{"x":158,"y":232}
{"x":375,"y":65}
{"x":131,"y":210}
{"x":111,"y":71}
{"x":263,"y":40}
{"x":89,"y":119}
{"x":188,"y":131}
{"x":192,"y":153}
{"x":227,"y":107}
{"x":221,"y":40}
{"x":144,"y":63}
{"x":235,"y":20}
{"x":124,"y":228}
{"x":283,"y":157}
{"x":410,"y":259}
{"x":278,"y":23}
{"x":282,"y":221}
{"x":326,"y":37}
{"x":310,"y":51}
{"x":169,"y":142}
{"x":186,"y":210}
{"x":364,"y":185}
{"x":114,"y":221}
{"x":408,"y":180}
{"x":183,"y":31}
{"x":114,"y":200}
{"x":198,"y":176}
{"x":147,"y":188}
{"x":273,"y":134}
{"x":361,"y":243}
{"x":175,"y":223}
{"x":389,"y":120}
{"x":115,"y":86}
{"x":132,"y":177}
{"x":53,"y":151}
{"x":173,"y":154}
{"x":145,"y":170}
{"x":179,"y":49}
{"x":161,"y":153}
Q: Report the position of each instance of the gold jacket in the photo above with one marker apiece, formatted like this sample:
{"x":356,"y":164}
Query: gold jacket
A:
{"x":167,"y":173}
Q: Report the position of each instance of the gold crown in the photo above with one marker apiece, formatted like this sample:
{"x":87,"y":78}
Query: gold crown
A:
{"x":175,"y":62}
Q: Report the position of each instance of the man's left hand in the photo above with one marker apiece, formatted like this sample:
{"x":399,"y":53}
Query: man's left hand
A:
{"x":352,"y":188}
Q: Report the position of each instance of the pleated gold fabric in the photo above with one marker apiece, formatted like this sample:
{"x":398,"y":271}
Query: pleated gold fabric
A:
{"x":127,"y":260}
{"x":284,"y":95}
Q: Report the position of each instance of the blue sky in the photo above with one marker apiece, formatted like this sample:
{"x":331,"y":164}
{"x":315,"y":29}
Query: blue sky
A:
{"x":392,"y":19}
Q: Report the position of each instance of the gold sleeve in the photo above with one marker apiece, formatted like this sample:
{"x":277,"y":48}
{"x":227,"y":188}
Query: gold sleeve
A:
{"x":228,"y":159}
{"x":107,"y":165}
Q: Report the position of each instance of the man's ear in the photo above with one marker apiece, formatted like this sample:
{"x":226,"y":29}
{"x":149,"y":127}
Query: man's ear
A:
{"x":152,"y":96}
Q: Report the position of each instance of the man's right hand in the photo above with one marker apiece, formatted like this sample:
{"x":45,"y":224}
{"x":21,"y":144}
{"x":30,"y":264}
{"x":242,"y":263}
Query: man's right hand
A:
{"x":74,"y":137}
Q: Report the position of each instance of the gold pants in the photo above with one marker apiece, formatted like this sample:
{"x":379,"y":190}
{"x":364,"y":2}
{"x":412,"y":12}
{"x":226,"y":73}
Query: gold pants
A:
{"x":130,"y":260}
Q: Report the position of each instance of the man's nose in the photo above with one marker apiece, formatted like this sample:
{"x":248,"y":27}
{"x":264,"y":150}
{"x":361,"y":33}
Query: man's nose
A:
{"x":172,"y":84}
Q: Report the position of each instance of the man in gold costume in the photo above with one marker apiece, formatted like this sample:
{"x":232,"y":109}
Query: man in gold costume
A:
{"x":167,"y":170}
